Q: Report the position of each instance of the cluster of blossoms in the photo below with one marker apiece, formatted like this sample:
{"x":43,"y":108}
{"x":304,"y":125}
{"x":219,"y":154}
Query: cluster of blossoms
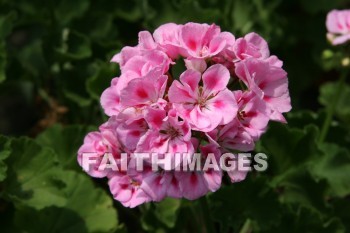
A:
{"x":338,"y":26}
{"x":222,"y":102}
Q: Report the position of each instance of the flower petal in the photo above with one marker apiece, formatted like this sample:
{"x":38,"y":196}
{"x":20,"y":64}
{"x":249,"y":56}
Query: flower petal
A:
{"x":224,"y":106}
{"x":215,"y":79}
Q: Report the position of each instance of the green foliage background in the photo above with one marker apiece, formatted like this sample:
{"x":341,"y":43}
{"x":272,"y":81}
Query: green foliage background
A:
{"x":54,"y":65}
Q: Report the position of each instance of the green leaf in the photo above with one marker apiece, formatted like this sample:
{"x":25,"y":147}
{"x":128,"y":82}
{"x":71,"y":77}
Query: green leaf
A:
{"x":50,"y":197}
{"x":149,"y":221}
{"x":307,"y":221}
{"x":341,"y":210}
{"x":252,"y":198}
{"x":334,"y":167}
{"x":167,"y":211}
{"x":2,"y":62}
{"x":68,"y":10}
{"x":75,"y":46}
{"x":78,"y":99}
{"x":241,"y":16}
{"x":6,"y":24}
{"x":289,"y":147}
{"x":300,"y":190}
{"x":291,"y":152}
{"x":88,"y":209}
{"x":97,"y":83}
{"x":4,"y":153}
{"x":162,"y":216}
{"x":33,"y":177}
{"x":32,"y":58}
{"x":130,"y":11}
{"x":337,"y":133}
{"x":72,"y":80}
{"x":327,"y":95}
{"x":65,"y":141}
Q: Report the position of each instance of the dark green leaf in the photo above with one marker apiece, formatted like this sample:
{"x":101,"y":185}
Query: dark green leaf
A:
{"x":288,"y":148}
{"x":327,"y":95}
{"x":88,"y":209}
{"x":4,"y":153}
{"x":2,"y":62}
{"x":75,"y":46}
{"x":76,"y":98}
{"x":252,"y":198}
{"x":167,"y":211}
{"x":65,"y":141}
{"x":334,"y":166}
{"x":32,"y":58}
{"x":6,"y":24}
{"x":33,"y":177}
{"x":68,"y":10}
{"x":97,"y":83}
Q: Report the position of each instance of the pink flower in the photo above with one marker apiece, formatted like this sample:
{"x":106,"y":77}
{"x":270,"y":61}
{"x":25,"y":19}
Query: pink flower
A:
{"x":110,"y":98}
{"x":203,"y":40}
{"x":146,"y":43}
{"x":197,"y":64}
{"x":140,"y":66}
{"x":145,"y":91}
{"x":231,"y":137}
{"x":269,"y":83}
{"x":192,"y":184}
{"x":212,"y":176}
{"x":97,"y":144}
{"x":234,"y":173}
{"x":159,"y":185}
{"x":253,"y":45}
{"x":166,"y":134}
{"x":167,"y":37}
{"x":125,"y":54}
{"x":338,"y":26}
{"x":126,"y":190}
{"x":130,"y":131}
{"x":204,"y":107}
{"x":93,"y":143}
{"x":154,"y":112}
{"x":116,"y":97}
{"x":253,"y":114}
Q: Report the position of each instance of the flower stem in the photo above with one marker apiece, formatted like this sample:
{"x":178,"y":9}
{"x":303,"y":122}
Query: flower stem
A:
{"x":247,"y":228}
{"x":332,"y":107}
{"x":209,"y":226}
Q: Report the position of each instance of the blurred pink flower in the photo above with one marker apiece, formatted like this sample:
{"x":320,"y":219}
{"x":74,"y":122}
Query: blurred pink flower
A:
{"x":338,"y":26}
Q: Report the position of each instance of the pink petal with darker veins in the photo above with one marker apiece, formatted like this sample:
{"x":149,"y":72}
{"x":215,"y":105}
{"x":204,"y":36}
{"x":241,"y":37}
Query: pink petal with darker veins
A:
{"x":110,"y":99}
{"x":192,"y":184}
{"x":156,"y":185}
{"x":215,"y":79}
{"x":225,"y":104}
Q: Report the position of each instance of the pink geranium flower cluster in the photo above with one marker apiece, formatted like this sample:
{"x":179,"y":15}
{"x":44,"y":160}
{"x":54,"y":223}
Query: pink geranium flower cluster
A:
{"x":222,"y":102}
